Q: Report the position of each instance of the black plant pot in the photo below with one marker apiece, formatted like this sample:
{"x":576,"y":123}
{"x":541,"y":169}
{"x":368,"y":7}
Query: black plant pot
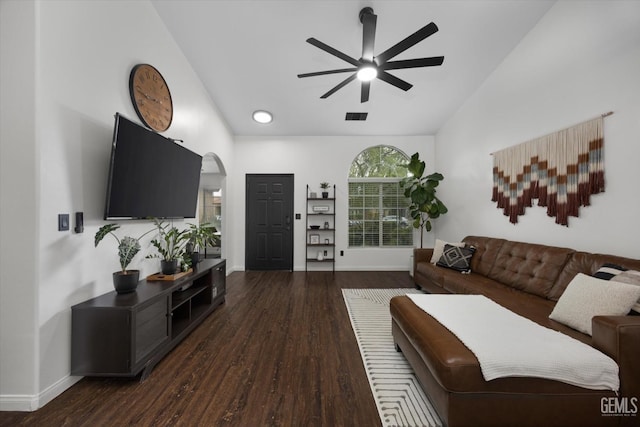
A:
{"x":169,"y":267}
{"x":195,"y":258}
{"x":127,"y":281}
{"x":325,"y":194}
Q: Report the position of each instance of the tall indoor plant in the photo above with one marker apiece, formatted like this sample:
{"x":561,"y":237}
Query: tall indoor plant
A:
{"x":422,"y":192}
{"x":124,"y":280}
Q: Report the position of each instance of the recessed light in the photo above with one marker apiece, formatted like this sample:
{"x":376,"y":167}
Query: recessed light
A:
{"x":367,"y":73}
{"x":262,"y":116}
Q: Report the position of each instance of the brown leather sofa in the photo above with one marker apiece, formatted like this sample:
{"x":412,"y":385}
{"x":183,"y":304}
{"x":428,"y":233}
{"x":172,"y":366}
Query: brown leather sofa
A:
{"x":528,"y":279}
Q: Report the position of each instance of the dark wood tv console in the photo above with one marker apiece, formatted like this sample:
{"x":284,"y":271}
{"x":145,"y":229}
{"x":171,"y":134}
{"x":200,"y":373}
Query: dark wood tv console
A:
{"x":126,"y":335}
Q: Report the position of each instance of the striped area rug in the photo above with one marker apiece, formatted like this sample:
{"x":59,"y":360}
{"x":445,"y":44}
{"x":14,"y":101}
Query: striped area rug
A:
{"x":399,"y":397}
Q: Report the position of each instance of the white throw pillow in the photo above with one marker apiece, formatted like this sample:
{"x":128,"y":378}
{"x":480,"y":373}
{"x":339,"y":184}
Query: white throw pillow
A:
{"x":438,"y":249}
{"x":631,"y":277}
{"x":587,"y":296}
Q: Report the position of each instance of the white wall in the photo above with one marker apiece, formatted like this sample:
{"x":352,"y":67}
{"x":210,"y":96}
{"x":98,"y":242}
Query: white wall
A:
{"x":581,"y":60}
{"x":83,"y":54}
{"x":313,"y":160}
{"x":18,"y":203}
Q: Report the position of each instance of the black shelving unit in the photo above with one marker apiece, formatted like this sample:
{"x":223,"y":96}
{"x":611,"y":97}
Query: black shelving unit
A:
{"x":320,"y":231}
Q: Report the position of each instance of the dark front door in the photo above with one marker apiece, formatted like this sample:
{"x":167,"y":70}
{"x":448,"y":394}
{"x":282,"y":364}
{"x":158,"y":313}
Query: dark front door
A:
{"x":269,"y":235}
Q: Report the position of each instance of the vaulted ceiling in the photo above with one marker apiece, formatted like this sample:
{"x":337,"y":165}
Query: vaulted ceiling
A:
{"x":248,"y":54}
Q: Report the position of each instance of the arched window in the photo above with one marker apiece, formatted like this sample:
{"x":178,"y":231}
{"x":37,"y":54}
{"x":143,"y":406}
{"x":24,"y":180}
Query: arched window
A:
{"x":378,"y":210}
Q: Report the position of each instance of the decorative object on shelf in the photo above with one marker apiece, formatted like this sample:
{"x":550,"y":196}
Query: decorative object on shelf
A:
{"x":320,"y":256}
{"x":170,"y":245}
{"x":151,"y":97}
{"x":168,"y":277}
{"x":326,"y":225}
{"x":325,"y":188}
{"x":562,"y":170}
{"x":320,"y":208}
{"x":314,"y":227}
{"x":314,"y":239}
{"x":313,"y":195}
{"x":422,"y":192}
{"x":326,"y":241}
{"x":124,"y":281}
{"x":199,"y":237}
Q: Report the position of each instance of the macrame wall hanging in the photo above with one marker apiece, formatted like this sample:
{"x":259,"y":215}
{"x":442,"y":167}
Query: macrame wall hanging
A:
{"x":561,"y":170}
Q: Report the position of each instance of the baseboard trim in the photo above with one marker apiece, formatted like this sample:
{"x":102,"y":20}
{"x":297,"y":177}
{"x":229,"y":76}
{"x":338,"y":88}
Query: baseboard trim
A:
{"x":33,"y":402}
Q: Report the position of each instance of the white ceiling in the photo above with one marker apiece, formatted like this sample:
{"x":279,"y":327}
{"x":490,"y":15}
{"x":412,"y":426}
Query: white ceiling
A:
{"x":248,"y":54}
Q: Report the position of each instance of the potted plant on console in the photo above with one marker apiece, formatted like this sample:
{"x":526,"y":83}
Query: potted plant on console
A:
{"x":199,"y":237}
{"x":422,"y":192}
{"x":170,"y":244}
{"x":124,"y":281}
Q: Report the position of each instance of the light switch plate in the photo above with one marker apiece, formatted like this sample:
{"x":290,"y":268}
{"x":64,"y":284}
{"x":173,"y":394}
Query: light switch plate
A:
{"x":63,"y":222}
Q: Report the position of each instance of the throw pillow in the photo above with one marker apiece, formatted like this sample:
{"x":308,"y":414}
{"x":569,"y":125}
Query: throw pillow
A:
{"x":457,"y":258}
{"x":631,"y":277}
{"x":618,"y":273}
{"x":438,"y":248}
{"x":587,"y":296}
{"x":608,"y":271}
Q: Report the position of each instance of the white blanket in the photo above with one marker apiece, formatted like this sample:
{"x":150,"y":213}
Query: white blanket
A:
{"x":509,"y":345}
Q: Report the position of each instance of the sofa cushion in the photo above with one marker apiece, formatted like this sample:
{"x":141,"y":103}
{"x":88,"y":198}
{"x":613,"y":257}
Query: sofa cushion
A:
{"x":529,"y":267}
{"x":487,"y":249}
{"x":588,"y":296}
{"x":587,"y":263}
{"x":456,"y":258}
{"x":438,"y":249}
{"x":618,"y":273}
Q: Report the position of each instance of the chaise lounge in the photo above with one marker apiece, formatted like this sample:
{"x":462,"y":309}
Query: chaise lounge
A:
{"x":527,"y":279}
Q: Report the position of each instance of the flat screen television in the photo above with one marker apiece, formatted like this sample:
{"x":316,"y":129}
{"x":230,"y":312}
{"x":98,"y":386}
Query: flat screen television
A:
{"x":150,"y":175}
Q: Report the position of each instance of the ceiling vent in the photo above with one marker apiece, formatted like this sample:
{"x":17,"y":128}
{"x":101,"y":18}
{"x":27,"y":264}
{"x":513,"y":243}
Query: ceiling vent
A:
{"x":356,"y":117}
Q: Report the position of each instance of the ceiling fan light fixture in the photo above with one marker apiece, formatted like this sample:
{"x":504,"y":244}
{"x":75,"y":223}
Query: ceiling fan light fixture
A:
{"x":262,"y":116}
{"x":367,"y":73}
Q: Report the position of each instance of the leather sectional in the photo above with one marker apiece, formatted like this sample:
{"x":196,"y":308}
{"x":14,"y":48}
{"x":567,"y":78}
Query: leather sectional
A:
{"x":528,"y":279}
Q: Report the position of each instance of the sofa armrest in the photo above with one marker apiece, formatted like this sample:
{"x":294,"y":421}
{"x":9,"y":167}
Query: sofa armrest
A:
{"x":422,"y":255}
{"x":619,"y":338}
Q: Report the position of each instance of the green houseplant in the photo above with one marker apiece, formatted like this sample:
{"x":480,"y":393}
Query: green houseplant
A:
{"x":170,"y":244}
{"x":199,"y":237}
{"x":422,"y":192}
{"x":124,"y":281}
{"x":325,"y":189}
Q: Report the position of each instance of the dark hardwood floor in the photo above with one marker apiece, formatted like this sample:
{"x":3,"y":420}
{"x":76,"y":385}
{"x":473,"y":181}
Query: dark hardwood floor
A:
{"x":279,"y":352}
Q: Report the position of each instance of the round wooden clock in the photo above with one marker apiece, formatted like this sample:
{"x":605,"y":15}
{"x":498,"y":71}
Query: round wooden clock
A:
{"x":151,"y":97}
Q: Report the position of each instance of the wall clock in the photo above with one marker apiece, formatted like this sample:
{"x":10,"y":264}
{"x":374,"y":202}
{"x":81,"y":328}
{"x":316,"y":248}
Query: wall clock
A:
{"x":151,"y":97}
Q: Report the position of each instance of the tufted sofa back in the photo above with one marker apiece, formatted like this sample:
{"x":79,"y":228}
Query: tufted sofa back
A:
{"x":540,"y":270}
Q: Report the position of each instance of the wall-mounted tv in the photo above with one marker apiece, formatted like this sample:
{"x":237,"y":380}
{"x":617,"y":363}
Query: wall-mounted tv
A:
{"x":150,"y":175}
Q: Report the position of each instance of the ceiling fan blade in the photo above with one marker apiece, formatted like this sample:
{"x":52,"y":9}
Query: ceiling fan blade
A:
{"x":364,"y":91}
{"x":322,"y":73}
{"x":413,"y":63}
{"x":405,"y":44}
{"x":332,"y":51}
{"x":339,"y":86}
{"x":393,"y":80}
{"x":368,"y":35}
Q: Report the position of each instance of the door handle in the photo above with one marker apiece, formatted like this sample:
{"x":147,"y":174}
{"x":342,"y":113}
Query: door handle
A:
{"x":287,"y":219}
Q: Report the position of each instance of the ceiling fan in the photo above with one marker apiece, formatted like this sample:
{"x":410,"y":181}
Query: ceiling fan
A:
{"x":370,"y":67}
